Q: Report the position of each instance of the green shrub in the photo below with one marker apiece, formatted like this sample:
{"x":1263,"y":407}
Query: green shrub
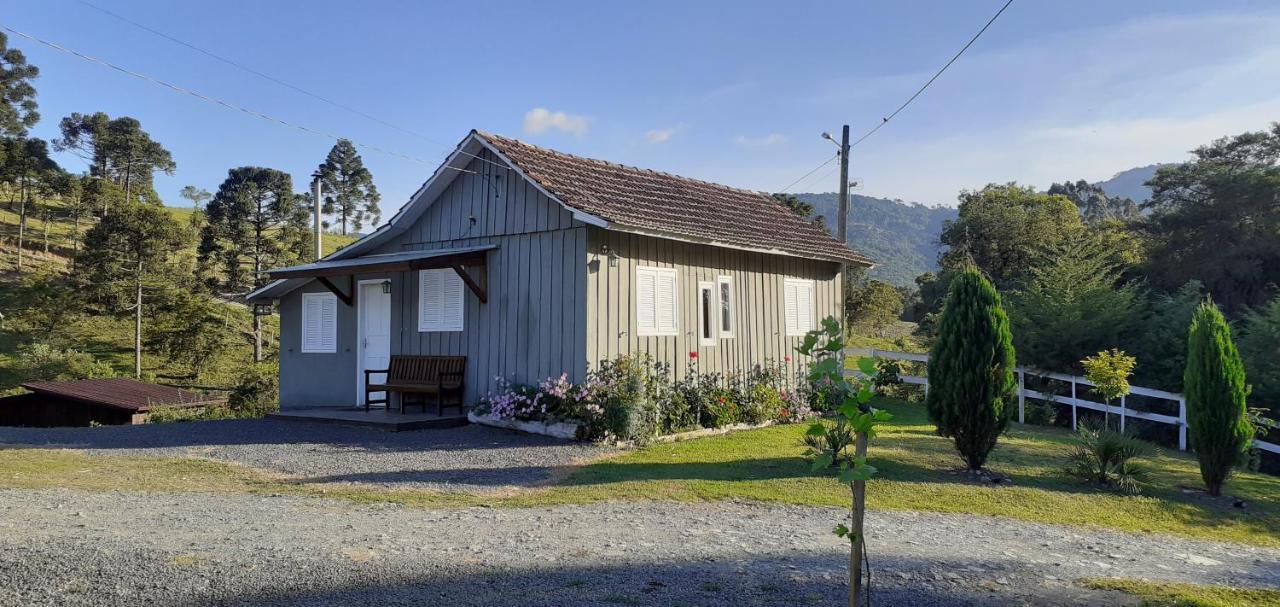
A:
{"x":971,"y":383}
{"x":1260,"y":350}
{"x":628,"y":389}
{"x":41,"y":361}
{"x":1105,"y":457}
{"x":258,"y":391}
{"x":763,"y":403}
{"x":1217,"y":421}
{"x":722,"y":409}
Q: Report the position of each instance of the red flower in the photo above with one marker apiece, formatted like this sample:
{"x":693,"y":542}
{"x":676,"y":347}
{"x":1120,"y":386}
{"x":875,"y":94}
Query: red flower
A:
{"x":693,"y":354}
{"x":787,"y":358}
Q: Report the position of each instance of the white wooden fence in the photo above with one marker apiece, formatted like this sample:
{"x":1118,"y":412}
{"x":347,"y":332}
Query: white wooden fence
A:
{"x":1076,"y":403}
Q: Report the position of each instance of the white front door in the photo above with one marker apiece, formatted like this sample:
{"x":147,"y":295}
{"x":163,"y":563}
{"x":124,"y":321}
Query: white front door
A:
{"x":375,"y":333}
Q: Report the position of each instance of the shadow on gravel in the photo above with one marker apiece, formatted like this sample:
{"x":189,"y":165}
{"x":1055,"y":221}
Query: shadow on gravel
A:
{"x":504,"y":476}
{"x":269,"y":432}
{"x":806,"y":580}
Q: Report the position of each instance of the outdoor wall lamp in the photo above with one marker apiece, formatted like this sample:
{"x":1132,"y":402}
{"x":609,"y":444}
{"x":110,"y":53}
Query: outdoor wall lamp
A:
{"x":386,"y":287}
{"x":611,"y":254}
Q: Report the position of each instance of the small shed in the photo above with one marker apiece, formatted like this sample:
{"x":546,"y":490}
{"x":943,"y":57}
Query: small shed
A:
{"x":110,"y":402}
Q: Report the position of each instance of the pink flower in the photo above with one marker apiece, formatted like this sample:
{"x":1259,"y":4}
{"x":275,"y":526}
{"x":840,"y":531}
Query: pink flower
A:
{"x":787,"y":358}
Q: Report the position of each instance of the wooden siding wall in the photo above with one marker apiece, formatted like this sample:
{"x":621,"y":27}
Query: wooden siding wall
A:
{"x":533,"y":325}
{"x":758,"y":290}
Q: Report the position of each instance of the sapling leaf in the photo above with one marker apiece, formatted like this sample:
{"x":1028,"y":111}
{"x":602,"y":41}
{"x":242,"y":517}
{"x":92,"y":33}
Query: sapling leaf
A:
{"x":867,"y":365}
{"x":834,"y":345}
{"x":841,"y":530}
{"x":817,"y":430}
{"x":822,"y":462}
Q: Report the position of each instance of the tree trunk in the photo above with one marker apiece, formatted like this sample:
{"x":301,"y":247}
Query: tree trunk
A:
{"x":137,"y":325}
{"x":22,"y":221}
{"x":45,"y":219}
{"x":858,"y":513}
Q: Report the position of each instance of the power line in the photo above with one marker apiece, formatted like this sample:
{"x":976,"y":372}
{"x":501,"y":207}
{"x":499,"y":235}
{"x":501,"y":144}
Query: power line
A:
{"x":213,"y":100}
{"x":885,"y":120}
{"x":280,"y":82}
{"x":806,"y":175}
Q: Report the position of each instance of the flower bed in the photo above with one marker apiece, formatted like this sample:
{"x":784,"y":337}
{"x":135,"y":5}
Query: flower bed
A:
{"x":632,"y":399}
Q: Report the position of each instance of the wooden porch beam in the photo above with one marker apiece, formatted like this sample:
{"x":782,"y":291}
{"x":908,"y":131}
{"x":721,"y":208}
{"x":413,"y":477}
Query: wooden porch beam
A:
{"x":476,"y":287}
{"x":348,"y":299}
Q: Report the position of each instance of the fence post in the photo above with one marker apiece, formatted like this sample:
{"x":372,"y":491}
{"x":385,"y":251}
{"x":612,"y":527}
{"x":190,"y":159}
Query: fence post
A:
{"x":1122,"y":413}
{"x":1182,"y":424}
{"x":1073,"y":403}
{"x":1022,"y":396}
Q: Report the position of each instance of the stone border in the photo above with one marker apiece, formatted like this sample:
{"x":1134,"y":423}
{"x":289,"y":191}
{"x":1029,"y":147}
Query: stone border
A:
{"x":567,"y":430}
{"x":570,"y":430}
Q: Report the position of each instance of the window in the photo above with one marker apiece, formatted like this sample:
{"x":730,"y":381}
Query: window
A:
{"x":797,"y":297}
{"x":725,"y":285}
{"x":440,"y":300}
{"x":708,"y":314}
{"x":319,"y":323}
{"x":656,"y":303}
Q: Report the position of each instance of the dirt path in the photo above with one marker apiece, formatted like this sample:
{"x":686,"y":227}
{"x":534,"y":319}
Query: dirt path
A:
{"x":61,"y":547}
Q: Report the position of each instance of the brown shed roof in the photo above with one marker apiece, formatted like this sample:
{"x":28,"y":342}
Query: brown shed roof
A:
{"x":664,"y":204}
{"x":119,"y":393}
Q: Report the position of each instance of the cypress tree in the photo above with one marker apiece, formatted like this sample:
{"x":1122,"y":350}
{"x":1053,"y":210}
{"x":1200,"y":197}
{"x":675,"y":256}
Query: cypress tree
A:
{"x":1217,"y":423}
{"x":971,"y":383}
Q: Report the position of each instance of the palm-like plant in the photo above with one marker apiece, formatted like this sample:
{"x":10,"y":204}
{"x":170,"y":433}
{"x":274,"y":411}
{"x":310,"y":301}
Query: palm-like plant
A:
{"x":1105,"y":457}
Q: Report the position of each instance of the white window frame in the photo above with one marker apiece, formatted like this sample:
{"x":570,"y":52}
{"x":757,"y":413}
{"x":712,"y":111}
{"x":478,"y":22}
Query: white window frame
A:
{"x":732,"y":331}
{"x":326,"y":300}
{"x":799,"y":329}
{"x":657,"y":330}
{"x":709,"y":319}
{"x":449,"y":285}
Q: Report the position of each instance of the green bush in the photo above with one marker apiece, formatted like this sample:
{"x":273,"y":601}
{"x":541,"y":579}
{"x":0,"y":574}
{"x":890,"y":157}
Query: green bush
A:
{"x":41,"y":361}
{"x":1105,"y":457}
{"x":1260,"y":349}
{"x":971,"y":381}
{"x":722,"y":409}
{"x":763,"y":403}
{"x":628,"y":390}
{"x":1217,"y":420}
{"x":258,"y":391}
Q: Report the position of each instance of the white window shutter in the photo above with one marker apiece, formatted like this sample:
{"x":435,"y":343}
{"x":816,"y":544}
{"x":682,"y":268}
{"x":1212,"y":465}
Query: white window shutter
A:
{"x":657,"y":308}
{"x":797,"y":296}
{"x":646,"y":306}
{"x":666,"y":303}
{"x":441,"y":299}
{"x":804,"y":307}
{"x":790,"y":297}
{"x":319,"y":322}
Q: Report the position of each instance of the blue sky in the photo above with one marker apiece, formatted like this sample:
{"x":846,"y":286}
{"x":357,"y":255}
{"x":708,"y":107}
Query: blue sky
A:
{"x":733,"y":92}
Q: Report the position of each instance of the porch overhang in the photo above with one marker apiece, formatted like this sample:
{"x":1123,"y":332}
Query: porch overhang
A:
{"x":461,"y":260}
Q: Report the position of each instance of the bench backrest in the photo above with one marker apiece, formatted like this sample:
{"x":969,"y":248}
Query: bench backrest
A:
{"x":406,"y":368}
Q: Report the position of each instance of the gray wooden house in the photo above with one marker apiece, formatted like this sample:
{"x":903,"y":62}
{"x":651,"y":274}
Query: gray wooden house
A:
{"x":533,"y":263}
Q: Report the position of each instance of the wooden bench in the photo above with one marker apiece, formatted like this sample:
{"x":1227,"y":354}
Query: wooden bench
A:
{"x":441,"y":376}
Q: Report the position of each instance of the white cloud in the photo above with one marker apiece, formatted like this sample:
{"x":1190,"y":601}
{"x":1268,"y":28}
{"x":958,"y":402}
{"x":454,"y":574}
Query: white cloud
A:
{"x":540,"y":120}
{"x":758,"y":142}
{"x":661,"y":135}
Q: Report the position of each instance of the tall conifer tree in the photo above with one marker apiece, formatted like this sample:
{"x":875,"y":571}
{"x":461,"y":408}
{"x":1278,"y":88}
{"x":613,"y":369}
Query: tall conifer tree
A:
{"x":1217,"y":422}
{"x":971,"y":384}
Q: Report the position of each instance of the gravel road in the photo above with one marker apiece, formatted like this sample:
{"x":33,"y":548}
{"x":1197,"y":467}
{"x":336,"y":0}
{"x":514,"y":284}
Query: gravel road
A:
{"x":470,"y":458}
{"x":61,"y":547}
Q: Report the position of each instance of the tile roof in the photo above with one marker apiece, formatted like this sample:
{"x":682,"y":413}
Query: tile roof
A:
{"x":642,"y":200}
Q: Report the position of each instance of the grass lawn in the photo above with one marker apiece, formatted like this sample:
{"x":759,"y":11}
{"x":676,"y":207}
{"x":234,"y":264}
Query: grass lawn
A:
{"x":765,"y":465}
{"x":1168,"y":594}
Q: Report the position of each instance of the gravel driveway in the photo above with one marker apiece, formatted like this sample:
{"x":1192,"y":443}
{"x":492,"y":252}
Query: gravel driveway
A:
{"x":470,"y":458}
{"x":60,"y":547}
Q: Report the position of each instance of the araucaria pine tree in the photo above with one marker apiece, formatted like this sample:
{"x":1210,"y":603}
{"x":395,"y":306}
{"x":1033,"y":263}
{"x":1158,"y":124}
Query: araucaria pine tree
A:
{"x":1217,"y":423}
{"x":349,"y":192}
{"x":971,"y":383}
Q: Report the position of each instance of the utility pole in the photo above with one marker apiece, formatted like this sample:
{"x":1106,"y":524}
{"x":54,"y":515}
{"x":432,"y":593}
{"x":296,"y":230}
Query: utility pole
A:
{"x":316,"y":191}
{"x":842,"y":225}
{"x":857,"y":512}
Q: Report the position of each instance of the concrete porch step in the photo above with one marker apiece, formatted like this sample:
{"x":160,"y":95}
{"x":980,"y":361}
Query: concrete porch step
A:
{"x":381,"y":419}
